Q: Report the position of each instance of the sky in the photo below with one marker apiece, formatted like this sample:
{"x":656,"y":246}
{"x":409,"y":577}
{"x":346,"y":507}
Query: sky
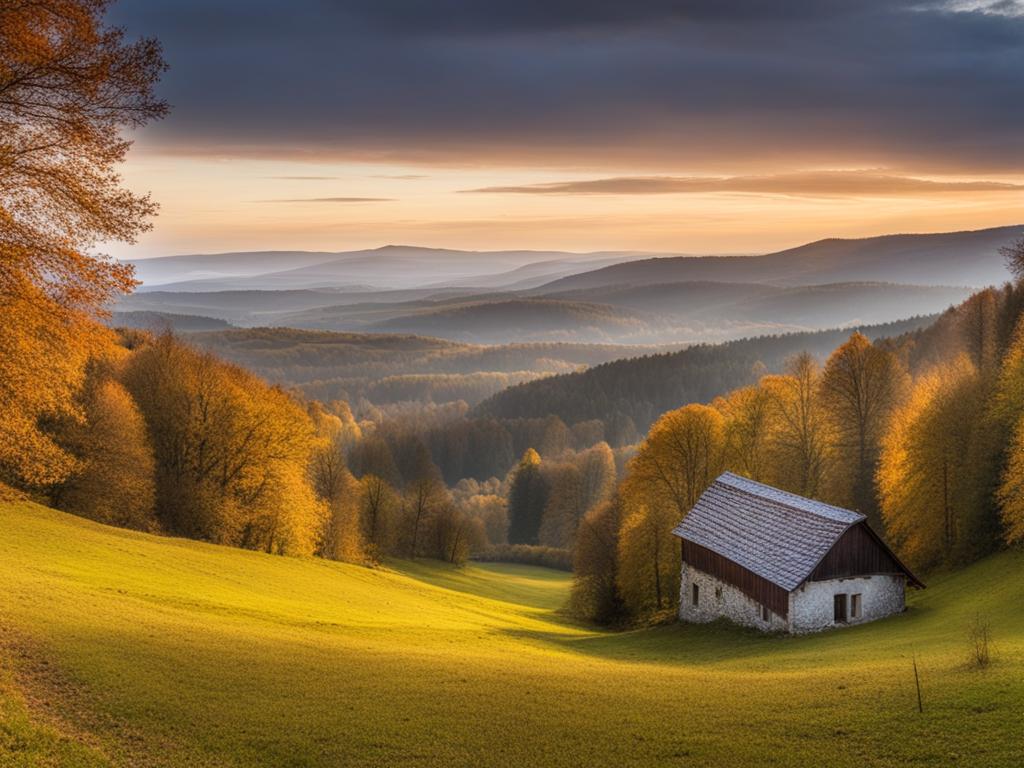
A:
{"x":685,"y":126}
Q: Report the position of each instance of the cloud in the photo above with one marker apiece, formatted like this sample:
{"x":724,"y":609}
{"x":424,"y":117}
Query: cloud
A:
{"x":718,"y":86}
{"x":993,"y":7}
{"x":304,"y":178}
{"x":331,"y":200}
{"x":818,"y":183}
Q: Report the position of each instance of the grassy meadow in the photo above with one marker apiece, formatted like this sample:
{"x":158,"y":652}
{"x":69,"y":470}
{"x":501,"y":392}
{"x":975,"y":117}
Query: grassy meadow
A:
{"x":120,"y":648}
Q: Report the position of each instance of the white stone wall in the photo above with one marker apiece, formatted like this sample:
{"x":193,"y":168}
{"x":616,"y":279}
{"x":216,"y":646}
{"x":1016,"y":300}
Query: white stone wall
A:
{"x":719,"y":600}
{"x":812,"y":606}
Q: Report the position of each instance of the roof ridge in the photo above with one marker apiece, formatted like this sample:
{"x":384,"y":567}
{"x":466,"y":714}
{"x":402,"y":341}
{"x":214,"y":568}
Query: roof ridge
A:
{"x":788,"y":499}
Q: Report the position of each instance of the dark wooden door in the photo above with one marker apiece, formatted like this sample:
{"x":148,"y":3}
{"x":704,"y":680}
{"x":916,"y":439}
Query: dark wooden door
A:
{"x":840,"y":608}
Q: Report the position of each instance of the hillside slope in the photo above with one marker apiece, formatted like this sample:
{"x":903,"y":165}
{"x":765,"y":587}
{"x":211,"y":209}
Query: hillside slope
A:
{"x":119,"y":648}
{"x":643,"y":388}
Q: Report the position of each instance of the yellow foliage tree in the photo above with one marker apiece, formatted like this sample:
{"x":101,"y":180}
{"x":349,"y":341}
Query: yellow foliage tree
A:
{"x":339,"y":492}
{"x":595,"y":589}
{"x":648,"y":559}
{"x":1008,"y":411}
{"x":926,"y":479}
{"x":68,"y":87}
{"x":114,"y":479}
{"x":749,"y":418}
{"x":682,"y":454}
{"x":233,"y":454}
{"x":800,"y":440}
{"x":677,"y":461}
{"x":861,"y":385}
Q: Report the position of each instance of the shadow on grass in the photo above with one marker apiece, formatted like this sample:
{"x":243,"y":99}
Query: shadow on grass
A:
{"x":721,"y":642}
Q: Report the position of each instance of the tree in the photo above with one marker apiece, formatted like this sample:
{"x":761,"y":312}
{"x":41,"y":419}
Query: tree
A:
{"x":1014,"y":255}
{"x":597,"y":474}
{"x":334,"y":486}
{"x":286,"y":518}
{"x":649,"y":560}
{"x":490,"y":509}
{"x":114,"y":479}
{"x":1008,"y":412}
{"x":861,"y":385}
{"x":424,"y":497}
{"x":799,"y":440}
{"x":456,"y":534}
{"x":681,"y":456}
{"x":527,"y":497}
{"x":926,"y":479}
{"x":69,"y":86}
{"x":574,"y":486}
{"x":372,"y":456}
{"x":564,"y":507}
{"x":232,"y":453}
{"x":379,"y":515}
{"x":748,"y":424}
{"x":595,"y":591}
{"x":979,"y":328}
{"x":1011,"y":490}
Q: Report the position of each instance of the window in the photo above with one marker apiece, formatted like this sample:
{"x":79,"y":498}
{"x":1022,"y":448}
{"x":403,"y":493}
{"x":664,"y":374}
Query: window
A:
{"x":718,"y":594}
{"x":839,"y":608}
{"x":765,"y":615}
{"x":854,"y":606}
{"x":696,"y":594}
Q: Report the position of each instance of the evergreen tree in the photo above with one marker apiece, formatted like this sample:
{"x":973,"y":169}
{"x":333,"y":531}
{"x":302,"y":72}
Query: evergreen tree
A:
{"x":527,"y":498}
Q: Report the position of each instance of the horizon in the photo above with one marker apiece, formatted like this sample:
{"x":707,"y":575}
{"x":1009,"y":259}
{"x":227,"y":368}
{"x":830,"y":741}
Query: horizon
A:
{"x":542,"y":251}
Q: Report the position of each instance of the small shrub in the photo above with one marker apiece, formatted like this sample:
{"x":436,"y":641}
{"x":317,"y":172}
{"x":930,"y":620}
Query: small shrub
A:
{"x":980,"y":635}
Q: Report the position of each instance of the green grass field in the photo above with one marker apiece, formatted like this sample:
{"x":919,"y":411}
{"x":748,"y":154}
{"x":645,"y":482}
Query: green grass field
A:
{"x":127,"y":649}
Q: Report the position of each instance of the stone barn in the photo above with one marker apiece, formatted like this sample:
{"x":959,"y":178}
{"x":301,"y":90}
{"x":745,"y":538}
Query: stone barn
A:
{"x":776,"y":561}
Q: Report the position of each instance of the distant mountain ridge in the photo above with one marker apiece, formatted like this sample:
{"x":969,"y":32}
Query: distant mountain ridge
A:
{"x":954,"y":258}
{"x":390,"y":266}
{"x":969,"y":258}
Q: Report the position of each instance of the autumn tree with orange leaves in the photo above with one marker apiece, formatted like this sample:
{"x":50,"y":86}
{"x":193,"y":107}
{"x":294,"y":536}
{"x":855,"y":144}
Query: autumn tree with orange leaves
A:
{"x":69,"y":87}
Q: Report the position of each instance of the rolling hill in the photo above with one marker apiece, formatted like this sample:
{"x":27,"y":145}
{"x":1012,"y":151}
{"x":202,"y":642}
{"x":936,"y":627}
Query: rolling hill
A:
{"x":643,"y":388}
{"x":676,"y":313}
{"x":499,"y":321}
{"x":164,"y":652}
{"x":160,"y":321}
{"x":669,"y":313}
{"x":387,"y":368}
{"x":954,"y":258}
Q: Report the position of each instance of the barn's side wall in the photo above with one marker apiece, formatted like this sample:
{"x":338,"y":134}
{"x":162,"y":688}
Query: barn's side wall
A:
{"x":812,"y":605}
{"x":732,"y":604}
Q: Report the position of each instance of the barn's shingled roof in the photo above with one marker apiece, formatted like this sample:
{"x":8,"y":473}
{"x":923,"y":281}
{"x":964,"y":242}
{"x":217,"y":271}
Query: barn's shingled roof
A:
{"x":777,"y":535}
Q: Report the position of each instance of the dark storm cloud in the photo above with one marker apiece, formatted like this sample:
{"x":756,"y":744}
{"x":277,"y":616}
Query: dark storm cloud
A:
{"x":710,"y":84}
{"x":805,"y":184}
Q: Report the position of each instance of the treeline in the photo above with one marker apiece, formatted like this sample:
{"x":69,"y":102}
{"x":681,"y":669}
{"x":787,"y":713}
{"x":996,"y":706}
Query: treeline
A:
{"x":923,"y":433}
{"x":629,"y":395}
{"x":479,"y":449}
{"x":167,"y":438}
